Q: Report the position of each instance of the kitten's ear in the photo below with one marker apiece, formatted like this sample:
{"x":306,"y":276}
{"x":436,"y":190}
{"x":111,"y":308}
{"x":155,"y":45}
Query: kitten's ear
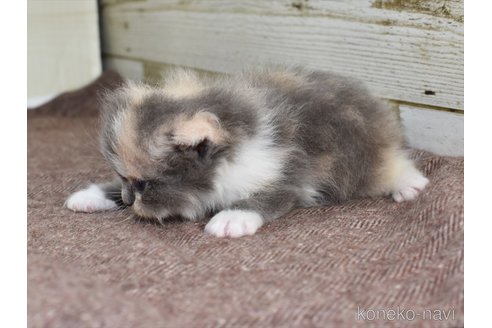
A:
{"x":201,"y":128}
{"x":202,"y":148}
{"x":198,"y":132}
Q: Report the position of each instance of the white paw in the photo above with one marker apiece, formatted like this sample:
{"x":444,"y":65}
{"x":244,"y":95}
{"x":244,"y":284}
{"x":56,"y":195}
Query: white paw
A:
{"x":90,"y":200}
{"x":409,"y":186}
{"x":234,"y":223}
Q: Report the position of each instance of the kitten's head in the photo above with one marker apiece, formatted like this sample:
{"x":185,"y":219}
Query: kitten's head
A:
{"x":166,"y":144}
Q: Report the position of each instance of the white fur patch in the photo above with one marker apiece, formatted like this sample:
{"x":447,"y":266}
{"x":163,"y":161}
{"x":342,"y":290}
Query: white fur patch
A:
{"x":234,"y":223}
{"x":400,"y":177}
{"x":91,"y":199}
{"x":410,"y":183}
{"x":258,"y":163}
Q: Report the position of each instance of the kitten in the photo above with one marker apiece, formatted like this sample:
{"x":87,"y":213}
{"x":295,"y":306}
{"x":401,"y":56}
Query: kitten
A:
{"x":247,"y":149}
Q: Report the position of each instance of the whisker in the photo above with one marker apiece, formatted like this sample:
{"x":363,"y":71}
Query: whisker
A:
{"x":128,"y":218}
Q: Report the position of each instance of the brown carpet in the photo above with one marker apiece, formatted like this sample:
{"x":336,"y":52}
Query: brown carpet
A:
{"x":318,"y":267}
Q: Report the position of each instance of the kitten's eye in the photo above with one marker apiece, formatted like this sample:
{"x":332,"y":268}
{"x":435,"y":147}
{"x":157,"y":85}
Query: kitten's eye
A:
{"x":139,"y":185}
{"x":122,"y":177}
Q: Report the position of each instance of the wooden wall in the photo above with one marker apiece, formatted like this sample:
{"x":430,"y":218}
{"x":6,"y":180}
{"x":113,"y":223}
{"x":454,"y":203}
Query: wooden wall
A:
{"x":63,"y":50}
{"x":407,"y":51}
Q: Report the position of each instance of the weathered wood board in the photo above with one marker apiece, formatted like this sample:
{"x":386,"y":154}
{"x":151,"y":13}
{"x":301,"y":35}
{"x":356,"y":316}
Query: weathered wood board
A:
{"x":451,"y":9}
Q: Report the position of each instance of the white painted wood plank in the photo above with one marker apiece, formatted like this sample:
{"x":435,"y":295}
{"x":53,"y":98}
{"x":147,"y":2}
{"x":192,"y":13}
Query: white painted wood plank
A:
{"x":63,"y":50}
{"x":423,"y":13}
{"x":397,"y":62}
{"x":436,"y":131}
{"x":129,"y":69}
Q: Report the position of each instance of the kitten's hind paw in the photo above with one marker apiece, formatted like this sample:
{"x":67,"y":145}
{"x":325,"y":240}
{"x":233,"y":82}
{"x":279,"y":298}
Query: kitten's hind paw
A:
{"x":91,"y":199}
{"x":234,"y":223}
{"x":409,"y":186}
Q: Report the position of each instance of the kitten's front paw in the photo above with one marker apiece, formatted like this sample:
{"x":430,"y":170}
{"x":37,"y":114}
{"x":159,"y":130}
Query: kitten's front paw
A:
{"x":90,"y":200}
{"x":409,"y":186}
{"x":234,"y":223}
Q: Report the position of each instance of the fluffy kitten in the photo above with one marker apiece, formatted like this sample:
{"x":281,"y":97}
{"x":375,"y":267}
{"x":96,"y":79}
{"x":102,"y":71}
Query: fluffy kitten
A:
{"x":247,"y":149}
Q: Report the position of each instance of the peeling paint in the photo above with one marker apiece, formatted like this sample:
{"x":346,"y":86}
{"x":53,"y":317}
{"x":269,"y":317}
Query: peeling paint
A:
{"x":386,"y":22}
{"x":301,"y":5}
{"x":441,"y":8}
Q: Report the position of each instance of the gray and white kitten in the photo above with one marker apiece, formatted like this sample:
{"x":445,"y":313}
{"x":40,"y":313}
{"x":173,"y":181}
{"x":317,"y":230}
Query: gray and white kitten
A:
{"x":247,"y":149}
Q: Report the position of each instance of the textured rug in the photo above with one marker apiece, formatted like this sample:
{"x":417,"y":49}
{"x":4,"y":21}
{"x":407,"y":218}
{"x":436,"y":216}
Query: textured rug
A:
{"x":368,"y":262}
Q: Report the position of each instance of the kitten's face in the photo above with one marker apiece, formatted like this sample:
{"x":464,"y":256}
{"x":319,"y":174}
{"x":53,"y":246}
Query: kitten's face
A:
{"x":165,"y":151}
